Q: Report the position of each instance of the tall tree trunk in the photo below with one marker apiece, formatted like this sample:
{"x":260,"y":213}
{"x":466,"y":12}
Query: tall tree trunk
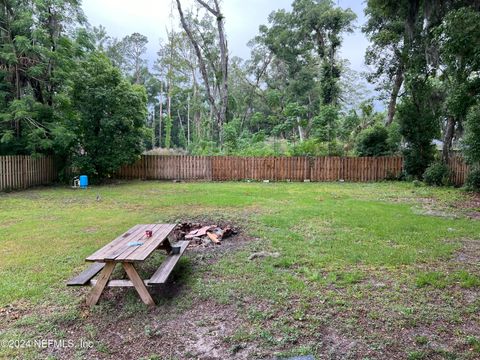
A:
{"x":224,"y":62}
{"x":153,"y":129}
{"x":169,"y":123}
{"x":220,"y":110}
{"x":188,"y":120}
{"x":169,"y":102}
{"x":160,"y":117}
{"x":180,"y":120}
{"x":397,"y":84}
{"x":300,"y":130}
{"x":198,"y":52}
{"x":196,"y":113}
{"x":137,"y":76}
{"x":169,"y":91}
{"x":448,"y":139}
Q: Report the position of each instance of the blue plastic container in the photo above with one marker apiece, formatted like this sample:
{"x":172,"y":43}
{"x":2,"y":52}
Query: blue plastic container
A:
{"x":83,"y":181}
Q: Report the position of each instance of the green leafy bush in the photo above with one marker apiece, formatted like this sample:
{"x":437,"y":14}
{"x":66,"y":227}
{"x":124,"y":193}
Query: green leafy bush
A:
{"x":373,"y":142}
{"x":231,"y":134}
{"x":473,"y":180}
{"x":314,"y":147}
{"x":437,"y":174}
{"x":110,"y":118}
{"x":205,"y":148}
{"x":418,"y":126}
{"x":310,"y":147}
{"x":394,"y":138}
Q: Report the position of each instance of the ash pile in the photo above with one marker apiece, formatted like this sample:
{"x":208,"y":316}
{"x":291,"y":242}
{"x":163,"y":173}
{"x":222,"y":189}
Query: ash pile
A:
{"x":203,"y":235}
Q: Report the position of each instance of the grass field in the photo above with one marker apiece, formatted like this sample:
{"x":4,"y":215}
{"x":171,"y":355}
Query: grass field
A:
{"x":366,"y":271}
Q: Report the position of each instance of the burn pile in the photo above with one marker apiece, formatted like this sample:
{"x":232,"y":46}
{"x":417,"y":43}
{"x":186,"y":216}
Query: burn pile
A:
{"x":203,"y":235}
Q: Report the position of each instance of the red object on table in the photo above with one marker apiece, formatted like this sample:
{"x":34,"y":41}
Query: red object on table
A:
{"x":148,"y":233}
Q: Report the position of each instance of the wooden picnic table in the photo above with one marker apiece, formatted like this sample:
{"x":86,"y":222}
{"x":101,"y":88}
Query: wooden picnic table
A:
{"x":128,"y":249}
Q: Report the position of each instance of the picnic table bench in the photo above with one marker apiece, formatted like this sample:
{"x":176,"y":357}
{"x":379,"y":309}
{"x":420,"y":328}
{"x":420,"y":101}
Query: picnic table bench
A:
{"x":130,"y":248}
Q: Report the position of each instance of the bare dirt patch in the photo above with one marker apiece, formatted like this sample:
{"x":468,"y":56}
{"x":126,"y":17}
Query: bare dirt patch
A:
{"x":470,"y":206}
{"x":469,"y":252}
{"x":14,"y":311}
{"x":197,"y":333}
{"x":436,"y":212}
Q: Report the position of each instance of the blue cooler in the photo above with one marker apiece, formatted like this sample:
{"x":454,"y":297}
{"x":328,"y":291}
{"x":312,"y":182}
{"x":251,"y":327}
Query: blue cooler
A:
{"x":83,"y":181}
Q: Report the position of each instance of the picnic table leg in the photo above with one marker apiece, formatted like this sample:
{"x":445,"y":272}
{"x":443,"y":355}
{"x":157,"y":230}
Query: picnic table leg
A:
{"x":138,"y":283}
{"x":97,"y":290}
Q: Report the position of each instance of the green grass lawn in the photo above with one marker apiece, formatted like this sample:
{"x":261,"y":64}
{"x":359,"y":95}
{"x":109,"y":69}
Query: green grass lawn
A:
{"x":365,"y":271}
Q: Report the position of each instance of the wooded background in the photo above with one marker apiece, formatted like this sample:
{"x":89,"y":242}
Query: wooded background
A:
{"x":98,"y":101}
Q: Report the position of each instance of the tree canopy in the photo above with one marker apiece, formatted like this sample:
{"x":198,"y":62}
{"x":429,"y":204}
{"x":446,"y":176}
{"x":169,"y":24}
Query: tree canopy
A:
{"x":109,"y":124}
{"x":97,"y":102}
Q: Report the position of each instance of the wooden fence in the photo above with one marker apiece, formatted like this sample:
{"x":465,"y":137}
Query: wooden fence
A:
{"x":226,"y":168}
{"x":20,"y":172}
{"x":459,"y":170}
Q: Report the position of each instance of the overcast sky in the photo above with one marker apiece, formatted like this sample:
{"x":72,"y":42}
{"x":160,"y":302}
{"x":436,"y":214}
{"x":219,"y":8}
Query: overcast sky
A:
{"x":242,"y":19}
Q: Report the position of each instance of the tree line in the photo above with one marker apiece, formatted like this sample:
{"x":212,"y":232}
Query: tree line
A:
{"x":93,"y":100}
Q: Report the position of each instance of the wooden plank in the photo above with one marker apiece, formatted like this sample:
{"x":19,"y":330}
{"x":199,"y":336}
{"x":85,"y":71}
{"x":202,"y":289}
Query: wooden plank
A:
{"x":117,"y":283}
{"x":156,"y":238}
{"x":143,"y":252}
{"x":191,"y":173}
{"x":138,"y":284}
{"x":314,"y":170}
{"x":122,"y":246}
{"x":161,"y":275}
{"x":184,"y":162}
{"x":100,"y":254}
{"x":9,"y":172}
{"x":97,"y":290}
{"x":15,"y":172}
{"x":85,"y":276}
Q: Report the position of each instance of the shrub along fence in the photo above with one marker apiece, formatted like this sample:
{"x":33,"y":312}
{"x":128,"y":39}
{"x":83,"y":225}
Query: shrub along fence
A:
{"x":21,"y":172}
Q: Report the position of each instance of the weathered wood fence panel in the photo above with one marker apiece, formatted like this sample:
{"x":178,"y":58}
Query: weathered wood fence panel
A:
{"x":166,"y":167}
{"x":459,"y":170}
{"x":21,"y":172}
{"x":233,"y":168}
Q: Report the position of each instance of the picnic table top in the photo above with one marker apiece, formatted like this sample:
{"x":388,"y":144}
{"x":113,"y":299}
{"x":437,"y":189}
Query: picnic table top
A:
{"x":119,"y":249}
